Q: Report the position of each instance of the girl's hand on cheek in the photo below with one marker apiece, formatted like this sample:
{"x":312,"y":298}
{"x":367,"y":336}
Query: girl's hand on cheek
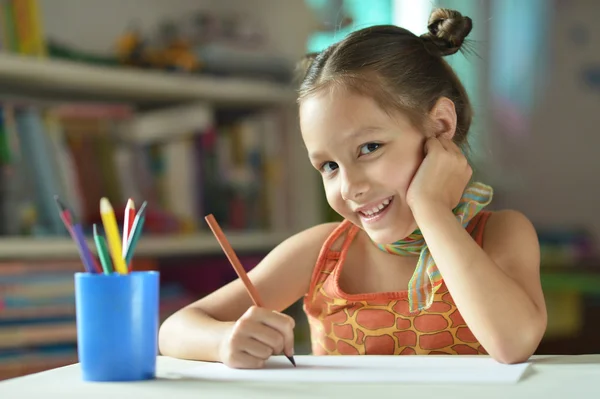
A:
{"x":442,"y":176}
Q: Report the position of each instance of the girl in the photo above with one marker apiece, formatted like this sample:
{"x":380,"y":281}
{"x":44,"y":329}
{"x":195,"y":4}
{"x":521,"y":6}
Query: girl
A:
{"x":417,"y":266}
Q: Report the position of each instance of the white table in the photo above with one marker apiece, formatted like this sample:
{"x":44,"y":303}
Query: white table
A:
{"x":548,"y":377}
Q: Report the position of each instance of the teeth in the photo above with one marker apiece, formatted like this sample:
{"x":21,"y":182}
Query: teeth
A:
{"x":376,"y":209}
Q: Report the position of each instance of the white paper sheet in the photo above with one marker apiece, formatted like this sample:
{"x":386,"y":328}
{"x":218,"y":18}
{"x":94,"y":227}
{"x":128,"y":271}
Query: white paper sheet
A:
{"x":405,"y":369}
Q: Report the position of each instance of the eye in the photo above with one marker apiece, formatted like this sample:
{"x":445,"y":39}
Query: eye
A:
{"x":328,"y":167}
{"x":368,"y":148}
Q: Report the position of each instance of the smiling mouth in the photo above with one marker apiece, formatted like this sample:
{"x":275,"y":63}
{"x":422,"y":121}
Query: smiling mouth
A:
{"x":377,"y":210}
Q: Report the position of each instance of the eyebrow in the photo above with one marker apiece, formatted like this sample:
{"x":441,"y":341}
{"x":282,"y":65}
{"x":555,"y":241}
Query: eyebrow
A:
{"x":362,"y":130}
{"x":351,"y":136}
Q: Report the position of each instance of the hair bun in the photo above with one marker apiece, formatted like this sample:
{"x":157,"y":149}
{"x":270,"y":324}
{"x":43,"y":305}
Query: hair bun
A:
{"x":447,"y":31}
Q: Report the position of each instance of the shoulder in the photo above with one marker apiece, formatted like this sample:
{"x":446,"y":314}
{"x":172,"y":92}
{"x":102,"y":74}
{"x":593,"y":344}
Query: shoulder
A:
{"x":315,"y":234}
{"x":307,"y":242}
{"x":507,"y":224}
{"x":511,"y":239}
{"x":302,"y":250}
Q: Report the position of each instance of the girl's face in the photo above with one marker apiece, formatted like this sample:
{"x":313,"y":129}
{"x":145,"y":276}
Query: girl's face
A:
{"x":367,"y":159}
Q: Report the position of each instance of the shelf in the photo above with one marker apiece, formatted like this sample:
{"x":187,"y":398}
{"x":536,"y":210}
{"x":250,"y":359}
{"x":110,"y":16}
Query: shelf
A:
{"x":38,"y":312}
{"x":51,"y":78}
{"x":152,"y":246}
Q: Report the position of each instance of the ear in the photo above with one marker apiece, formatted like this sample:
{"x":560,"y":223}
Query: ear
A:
{"x":443,"y":119}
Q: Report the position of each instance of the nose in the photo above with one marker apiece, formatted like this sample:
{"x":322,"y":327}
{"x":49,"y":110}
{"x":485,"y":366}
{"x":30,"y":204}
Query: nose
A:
{"x":354,"y":184}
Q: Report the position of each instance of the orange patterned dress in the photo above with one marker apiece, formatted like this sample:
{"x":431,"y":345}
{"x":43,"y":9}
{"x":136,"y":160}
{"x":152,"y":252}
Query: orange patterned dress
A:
{"x":381,"y":323}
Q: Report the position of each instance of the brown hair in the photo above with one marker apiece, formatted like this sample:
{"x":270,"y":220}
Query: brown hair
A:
{"x":399,"y":70}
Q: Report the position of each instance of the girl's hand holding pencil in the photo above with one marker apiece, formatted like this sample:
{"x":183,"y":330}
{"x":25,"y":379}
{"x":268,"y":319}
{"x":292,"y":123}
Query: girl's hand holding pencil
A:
{"x":260,"y":332}
{"x":116,"y":251}
{"x":256,"y":336}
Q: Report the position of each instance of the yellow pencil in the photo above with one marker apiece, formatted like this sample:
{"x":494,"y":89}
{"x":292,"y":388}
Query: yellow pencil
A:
{"x":112,"y":234}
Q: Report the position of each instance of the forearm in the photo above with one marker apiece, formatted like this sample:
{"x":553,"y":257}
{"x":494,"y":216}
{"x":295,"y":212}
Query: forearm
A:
{"x":497,"y":310}
{"x":192,"y":334}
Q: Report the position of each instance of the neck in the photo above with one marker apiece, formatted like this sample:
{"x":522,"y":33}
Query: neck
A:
{"x":374,"y":253}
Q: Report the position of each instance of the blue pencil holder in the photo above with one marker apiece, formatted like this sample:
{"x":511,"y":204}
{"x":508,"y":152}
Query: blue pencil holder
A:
{"x":117,"y":325}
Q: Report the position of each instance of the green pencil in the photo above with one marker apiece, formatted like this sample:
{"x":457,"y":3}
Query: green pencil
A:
{"x":102,"y":252}
{"x":133,"y":241}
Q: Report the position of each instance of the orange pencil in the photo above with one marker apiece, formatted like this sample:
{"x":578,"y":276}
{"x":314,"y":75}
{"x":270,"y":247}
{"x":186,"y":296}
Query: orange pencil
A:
{"x":237,"y":266}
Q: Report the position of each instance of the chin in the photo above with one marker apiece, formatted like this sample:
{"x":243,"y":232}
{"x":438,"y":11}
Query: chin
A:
{"x":396,"y":225}
{"x":388,"y":237}
{"x":399,"y":228}
{"x":386,"y":234}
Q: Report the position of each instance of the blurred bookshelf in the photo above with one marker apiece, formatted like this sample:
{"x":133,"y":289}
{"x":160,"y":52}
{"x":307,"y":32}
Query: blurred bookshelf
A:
{"x":34,"y":248}
{"x":39,"y":82}
{"x":23,"y":75}
{"x":82,"y":151}
{"x":189,"y":141}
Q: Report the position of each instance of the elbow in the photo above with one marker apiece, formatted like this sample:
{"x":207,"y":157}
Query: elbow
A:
{"x":163,"y":338}
{"x":512,"y":352}
{"x":511,"y":356}
{"x":521,"y":346}
{"x":167,"y":336}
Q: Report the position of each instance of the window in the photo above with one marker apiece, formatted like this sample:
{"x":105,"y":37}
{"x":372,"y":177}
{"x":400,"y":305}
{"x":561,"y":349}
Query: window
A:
{"x":340,"y":17}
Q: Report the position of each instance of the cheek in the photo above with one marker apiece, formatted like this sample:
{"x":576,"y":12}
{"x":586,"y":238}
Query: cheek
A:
{"x":334,"y":197}
{"x":395,"y":175}
{"x":332,"y":193}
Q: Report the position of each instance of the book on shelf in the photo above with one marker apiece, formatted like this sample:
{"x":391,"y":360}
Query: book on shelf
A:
{"x":21,"y":28}
{"x":37,"y":316}
{"x":183,"y":161}
{"x":19,"y":364}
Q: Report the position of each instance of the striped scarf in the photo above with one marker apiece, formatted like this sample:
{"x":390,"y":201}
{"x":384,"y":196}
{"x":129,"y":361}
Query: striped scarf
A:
{"x":427,"y":278}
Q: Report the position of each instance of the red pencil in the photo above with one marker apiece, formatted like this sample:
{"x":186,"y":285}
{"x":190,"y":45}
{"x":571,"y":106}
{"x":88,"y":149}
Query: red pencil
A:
{"x":128,"y":223}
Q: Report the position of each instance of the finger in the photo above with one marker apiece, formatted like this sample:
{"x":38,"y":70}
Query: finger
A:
{"x":432,"y":144}
{"x":445,"y":143}
{"x":255,"y":348}
{"x":450,"y":145}
{"x":271,"y":318}
{"x":244,"y":360}
{"x":284,"y":324}
{"x":288,"y":343}
{"x":268,"y":336}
